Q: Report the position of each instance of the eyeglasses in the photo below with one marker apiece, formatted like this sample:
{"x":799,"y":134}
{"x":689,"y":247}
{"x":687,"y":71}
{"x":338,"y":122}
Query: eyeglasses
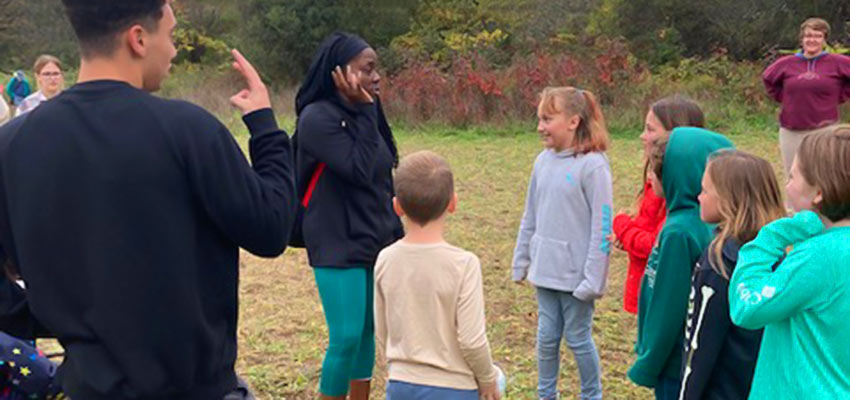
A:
{"x":51,"y":74}
{"x":814,"y":36}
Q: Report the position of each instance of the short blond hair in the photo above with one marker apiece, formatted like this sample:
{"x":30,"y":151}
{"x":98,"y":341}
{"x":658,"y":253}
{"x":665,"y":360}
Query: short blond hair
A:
{"x":824,"y":162}
{"x":43,"y":61}
{"x":424,"y":186}
{"x":817,"y":24}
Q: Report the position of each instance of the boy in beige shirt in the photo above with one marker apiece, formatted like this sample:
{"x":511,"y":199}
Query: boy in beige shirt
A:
{"x":429,"y":301}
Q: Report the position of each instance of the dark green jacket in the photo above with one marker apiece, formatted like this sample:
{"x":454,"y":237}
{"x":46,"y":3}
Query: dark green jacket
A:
{"x":663,"y":305}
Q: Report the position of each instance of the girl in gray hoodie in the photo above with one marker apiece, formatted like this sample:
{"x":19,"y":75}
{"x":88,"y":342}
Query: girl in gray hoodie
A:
{"x":562,"y":247}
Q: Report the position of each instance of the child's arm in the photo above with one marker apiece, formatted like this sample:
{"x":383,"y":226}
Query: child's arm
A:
{"x":522,"y":255}
{"x":759,"y":296}
{"x":636,"y":241}
{"x":471,"y":325}
{"x":380,"y":319}
{"x":773,"y":78}
{"x":599,"y":191}
{"x":664,"y":316}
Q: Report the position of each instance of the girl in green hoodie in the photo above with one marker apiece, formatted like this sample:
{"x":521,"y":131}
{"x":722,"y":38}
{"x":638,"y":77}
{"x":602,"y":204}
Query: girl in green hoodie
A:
{"x":663,"y":304}
{"x":802,"y":304}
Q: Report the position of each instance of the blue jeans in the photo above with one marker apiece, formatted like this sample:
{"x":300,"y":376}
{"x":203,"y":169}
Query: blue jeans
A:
{"x":398,"y":390}
{"x":562,"y":315}
{"x":667,"y":389}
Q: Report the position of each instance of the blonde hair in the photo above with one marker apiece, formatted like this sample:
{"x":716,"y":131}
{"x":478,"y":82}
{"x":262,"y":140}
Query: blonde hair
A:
{"x":817,"y":24}
{"x":44,"y":60}
{"x":591,"y":133}
{"x":824,"y":162}
{"x":748,"y":198}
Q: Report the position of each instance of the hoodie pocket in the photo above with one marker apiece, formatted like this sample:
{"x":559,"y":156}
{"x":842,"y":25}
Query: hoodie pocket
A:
{"x":552,"y":258}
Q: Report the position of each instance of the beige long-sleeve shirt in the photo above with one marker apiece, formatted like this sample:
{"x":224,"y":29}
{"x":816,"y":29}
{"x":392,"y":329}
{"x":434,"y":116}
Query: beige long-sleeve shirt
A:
{"x":4,"y":111}
{"x":429,"y":316}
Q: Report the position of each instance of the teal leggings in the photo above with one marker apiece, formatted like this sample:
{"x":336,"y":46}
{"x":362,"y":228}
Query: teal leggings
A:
{"x":347,"y":295}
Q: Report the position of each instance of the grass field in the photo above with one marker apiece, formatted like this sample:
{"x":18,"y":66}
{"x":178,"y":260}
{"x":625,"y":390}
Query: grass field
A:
{"x":282,"y":331}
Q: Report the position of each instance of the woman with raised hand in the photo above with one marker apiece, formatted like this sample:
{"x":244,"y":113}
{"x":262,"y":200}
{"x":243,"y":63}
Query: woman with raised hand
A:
{"x":345,"y":159}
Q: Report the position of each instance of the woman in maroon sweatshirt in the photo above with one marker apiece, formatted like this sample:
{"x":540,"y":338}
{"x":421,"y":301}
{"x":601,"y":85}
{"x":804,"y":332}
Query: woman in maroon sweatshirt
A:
{"x":635,"y":234}
{"x":810,"y":85}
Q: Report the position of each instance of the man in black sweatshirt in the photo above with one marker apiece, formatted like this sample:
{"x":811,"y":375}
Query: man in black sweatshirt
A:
{"x":125,"y":212}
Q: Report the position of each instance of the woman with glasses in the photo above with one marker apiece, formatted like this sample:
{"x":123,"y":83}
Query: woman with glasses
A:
{"x":810,"y":85}
{"x":51,"y":81}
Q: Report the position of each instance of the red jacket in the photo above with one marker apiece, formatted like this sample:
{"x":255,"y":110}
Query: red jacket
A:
{"x":638,"y":236}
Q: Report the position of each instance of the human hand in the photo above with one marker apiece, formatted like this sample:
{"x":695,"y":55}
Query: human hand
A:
{"x":615,"y":242}
{"x":256,"y":95}
{"x":348,"y":84}
{"x":489,"y":391}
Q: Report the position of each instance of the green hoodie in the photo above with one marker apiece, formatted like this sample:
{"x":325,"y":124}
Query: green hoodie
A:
{"x":663,"y":305}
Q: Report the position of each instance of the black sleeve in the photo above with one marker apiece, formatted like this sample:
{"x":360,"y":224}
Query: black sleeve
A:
{"x":16,"y":319}
{"x":253,"y":205}
{"x":350,"y":152}
{"x":706,"y":331}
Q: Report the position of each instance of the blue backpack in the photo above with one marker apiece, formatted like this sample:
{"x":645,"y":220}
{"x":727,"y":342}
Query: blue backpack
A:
{"x":20,"y":89}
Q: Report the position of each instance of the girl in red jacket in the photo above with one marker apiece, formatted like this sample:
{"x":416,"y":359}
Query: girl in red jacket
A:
{"x":636,"y":234}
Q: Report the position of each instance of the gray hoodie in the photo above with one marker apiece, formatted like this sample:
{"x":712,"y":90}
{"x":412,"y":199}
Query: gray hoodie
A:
{"x":562,"y":242}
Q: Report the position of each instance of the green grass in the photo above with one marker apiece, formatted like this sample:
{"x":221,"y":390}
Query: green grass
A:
{"x":282,"y":331}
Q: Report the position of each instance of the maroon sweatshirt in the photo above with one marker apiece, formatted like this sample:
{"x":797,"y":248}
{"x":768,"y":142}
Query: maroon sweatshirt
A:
{"x":810,"y":90}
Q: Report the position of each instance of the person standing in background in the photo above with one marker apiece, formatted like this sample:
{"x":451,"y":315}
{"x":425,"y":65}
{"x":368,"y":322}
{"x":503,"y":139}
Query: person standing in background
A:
{"x":810,"y":85}
{"x":50,"y":80}
{"x":18,"y":88}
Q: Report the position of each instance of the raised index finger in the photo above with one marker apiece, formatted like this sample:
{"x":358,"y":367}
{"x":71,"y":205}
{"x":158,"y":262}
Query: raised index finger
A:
{"x":248,"y":72}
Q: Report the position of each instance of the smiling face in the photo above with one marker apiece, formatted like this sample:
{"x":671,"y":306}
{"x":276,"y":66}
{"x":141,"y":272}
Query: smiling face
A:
{"x":366,"y":63}
{"x":556,"y":123}
{"x":557,"y":130}
{"x":813,"y":42}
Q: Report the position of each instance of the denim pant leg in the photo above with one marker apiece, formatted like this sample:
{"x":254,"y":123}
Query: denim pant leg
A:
{"x":578,"y":329}
{"x":550,"y":327}
{"x":397,"y":390}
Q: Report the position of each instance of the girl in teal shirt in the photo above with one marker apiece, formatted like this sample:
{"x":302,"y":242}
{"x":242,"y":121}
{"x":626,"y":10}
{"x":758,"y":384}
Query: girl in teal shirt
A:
{"x":803,"y":305}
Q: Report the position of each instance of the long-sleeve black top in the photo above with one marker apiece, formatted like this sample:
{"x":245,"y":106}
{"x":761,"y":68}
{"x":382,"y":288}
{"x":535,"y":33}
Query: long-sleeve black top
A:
{"x":350,"y":217}
{"x":719,"y":358}
{"x":125,"y":213}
